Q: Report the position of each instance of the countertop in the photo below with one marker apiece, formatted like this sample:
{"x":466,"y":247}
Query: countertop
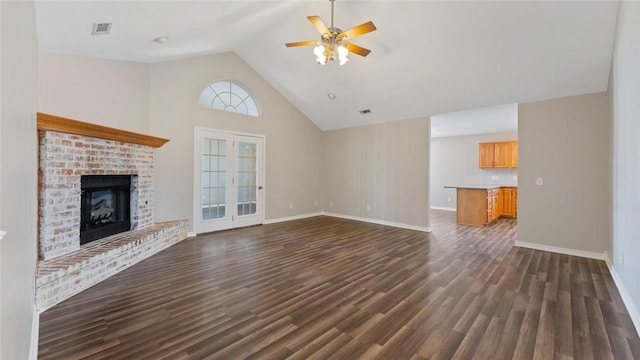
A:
{"x":480,"y":186}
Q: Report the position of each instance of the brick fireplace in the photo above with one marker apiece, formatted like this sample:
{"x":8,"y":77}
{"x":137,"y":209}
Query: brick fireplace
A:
{"x":64,"y":159}
{"x":70,"y":152}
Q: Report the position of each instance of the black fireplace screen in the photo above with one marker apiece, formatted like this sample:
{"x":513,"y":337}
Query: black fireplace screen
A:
{"x":105,"y":206}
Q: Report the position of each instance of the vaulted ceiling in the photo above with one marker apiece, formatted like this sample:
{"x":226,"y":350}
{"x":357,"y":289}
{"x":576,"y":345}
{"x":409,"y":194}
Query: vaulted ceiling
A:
{"x":427,"y":57}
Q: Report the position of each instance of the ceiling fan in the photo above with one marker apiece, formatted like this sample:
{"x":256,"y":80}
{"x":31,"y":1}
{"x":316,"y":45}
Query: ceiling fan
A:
{"x":334,"y":42}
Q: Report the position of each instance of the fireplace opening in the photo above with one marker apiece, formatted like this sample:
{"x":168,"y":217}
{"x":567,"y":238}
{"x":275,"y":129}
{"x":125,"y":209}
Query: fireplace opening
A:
{"x":105,"y":206}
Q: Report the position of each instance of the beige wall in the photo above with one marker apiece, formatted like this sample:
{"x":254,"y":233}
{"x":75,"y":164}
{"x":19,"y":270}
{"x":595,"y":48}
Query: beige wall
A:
{"x":293,"y":143}
{"x":18,"y":166}
{"x":567,"y":142}
{"x":454,"y":161}
{"x":385,"y":166}
{"x":100,"y":91}
{"x":161,"y":99}
{"x":626,"y":155}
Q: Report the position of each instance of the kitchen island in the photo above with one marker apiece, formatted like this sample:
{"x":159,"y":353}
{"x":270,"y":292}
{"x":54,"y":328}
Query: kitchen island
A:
{"x":481,"y":204}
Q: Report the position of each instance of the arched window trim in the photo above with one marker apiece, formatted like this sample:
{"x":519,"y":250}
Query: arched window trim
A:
{"x":243,"y":100}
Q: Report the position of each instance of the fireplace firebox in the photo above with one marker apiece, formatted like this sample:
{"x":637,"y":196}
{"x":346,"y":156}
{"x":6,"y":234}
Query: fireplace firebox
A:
{"x":105,"y":206}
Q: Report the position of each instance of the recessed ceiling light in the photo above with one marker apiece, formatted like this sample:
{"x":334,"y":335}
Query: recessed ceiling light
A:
{"x":161,"y":39}
{"x":331,"y":96}
{"x":365,"y":111}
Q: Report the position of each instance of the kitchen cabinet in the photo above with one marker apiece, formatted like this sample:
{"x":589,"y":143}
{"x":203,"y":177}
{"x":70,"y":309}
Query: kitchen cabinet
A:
{"x":498,"y":155}
{"x":477,"y":207}
{"x":500,"y":205}
{"x":493,"y":210}
{"x":473,"y":207}
{"x":509,"y":201}
{"x":514,"y":154}
{"x":486,"y":156}
{"x":480,"y":205}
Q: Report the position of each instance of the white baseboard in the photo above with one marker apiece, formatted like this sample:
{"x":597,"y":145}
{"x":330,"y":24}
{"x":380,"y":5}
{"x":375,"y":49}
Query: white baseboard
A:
{"x":587,"y":254}
{"x":380,"y":222}
{"x":35,"y":333}
{"x":289,"y":218}
{"x":443,"y":208}
{"x":626,"y":298}
{"x":191,"y":234}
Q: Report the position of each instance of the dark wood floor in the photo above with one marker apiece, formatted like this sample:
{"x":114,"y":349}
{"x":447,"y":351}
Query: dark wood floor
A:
{"x":324,"y":288}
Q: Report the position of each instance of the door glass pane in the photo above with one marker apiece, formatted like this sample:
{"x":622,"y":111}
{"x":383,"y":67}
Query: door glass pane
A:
{"x":213,"y":178}
{"x":205,"y":179}
{"x":246,"y":175}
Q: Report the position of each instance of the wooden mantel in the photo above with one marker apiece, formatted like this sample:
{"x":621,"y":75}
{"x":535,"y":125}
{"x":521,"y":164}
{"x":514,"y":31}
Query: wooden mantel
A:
{"x":48,"y":122}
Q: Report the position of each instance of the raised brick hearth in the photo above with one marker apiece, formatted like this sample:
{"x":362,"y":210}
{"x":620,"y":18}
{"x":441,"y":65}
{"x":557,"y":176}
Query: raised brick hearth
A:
{"x":70,"y":149}
{"x":69,"y":274}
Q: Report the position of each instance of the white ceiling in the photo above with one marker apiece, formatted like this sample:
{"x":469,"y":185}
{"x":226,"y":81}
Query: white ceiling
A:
{"x":492,"y":119}
{"x":427,"y":57}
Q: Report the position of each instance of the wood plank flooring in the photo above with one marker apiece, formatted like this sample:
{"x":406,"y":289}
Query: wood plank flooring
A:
{"x":327,"y":288}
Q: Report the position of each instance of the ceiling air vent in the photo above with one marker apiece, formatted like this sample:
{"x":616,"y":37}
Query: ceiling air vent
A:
{"x":101,"y":28}
{"x":365,"y":112}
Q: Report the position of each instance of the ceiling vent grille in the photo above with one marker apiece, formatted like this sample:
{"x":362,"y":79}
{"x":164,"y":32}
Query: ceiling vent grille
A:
{"x":101,"y":28}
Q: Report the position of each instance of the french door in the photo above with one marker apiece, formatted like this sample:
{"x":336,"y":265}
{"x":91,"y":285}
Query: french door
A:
{"x":228,"y":180}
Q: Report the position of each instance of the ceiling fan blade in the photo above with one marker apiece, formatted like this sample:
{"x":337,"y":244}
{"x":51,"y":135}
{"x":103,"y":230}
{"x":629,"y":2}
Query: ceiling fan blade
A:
{"x":319,"y":25}
{"x":358,"y":50}
{"x":301,"y":43}
{"x":357,"y":31}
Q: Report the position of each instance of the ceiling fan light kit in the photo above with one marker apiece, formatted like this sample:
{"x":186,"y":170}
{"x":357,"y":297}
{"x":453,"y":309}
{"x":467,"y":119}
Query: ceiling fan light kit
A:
{"x":333,"y":43}
{"x":328,"y":52}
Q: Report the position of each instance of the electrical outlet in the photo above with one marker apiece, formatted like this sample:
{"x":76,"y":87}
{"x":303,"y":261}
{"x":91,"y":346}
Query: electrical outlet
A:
{"x":449,"y":199}
{"x":315,"y":203}
{"x":539,"y":181}
{"x":331,"y":203}
{"x":290,"y":206}
{"x":515,"y":177}
{"x":368,"y":207}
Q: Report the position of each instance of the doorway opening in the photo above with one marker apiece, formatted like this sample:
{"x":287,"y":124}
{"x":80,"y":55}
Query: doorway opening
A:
{"x":228,"y":173}
{"x":457,"y":159}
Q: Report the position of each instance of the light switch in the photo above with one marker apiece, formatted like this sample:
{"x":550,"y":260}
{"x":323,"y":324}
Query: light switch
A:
{"x":539,"y":181}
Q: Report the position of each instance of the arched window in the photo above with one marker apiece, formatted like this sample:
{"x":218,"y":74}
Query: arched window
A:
{"x":228,"y":96}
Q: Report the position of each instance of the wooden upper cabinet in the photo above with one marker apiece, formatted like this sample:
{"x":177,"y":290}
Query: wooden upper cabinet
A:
{"x":502,"y":158}
{"x":498,"y":155}
{"x":487,"y":154}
